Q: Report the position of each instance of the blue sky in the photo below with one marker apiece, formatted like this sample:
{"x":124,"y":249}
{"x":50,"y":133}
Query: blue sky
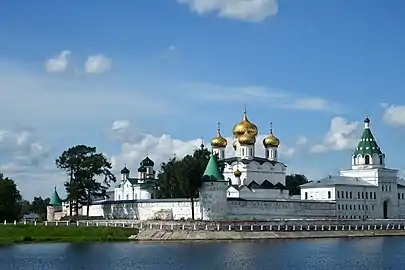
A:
{"x":177,"y":67}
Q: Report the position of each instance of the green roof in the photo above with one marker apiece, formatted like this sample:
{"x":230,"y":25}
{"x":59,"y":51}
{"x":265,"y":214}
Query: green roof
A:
{"x":212,"y":171}
{"x":367,"y":144}
{"x":55,"y":199}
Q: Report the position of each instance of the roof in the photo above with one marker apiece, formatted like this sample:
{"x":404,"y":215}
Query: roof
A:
{"x":265,"y":185}
{"x":259,"y":160}
{"x":212,"y":171}
{"x":125,"y":171}
{"x":55,"y":199}
{"x":367,"y":144}
{"x":147,"y":162}
{"x":337,"y":181}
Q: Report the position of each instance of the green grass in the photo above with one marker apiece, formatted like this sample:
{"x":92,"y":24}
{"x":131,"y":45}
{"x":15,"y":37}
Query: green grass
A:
{"x":34,"y":234}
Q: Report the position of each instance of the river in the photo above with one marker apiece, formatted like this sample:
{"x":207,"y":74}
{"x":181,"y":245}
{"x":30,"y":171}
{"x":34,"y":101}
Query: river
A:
{"x":360,"y":253}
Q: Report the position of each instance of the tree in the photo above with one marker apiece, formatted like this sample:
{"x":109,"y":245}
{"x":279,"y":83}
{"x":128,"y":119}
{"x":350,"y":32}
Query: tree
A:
{"x":293,"y":183}
{"x":26,"y":207}
{"x":181,"y":178}
{"x":10,"y":207}
{"x":39,"y":206}
{"x":83,"y":165}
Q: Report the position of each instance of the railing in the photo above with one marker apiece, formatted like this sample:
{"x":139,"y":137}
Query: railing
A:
{"x":219,"y":226}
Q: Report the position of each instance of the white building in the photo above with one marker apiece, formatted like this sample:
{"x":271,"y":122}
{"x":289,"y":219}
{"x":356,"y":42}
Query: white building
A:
{"x":141,"y":187}
{"x":367,"y":190}
{"x":252,"y":187}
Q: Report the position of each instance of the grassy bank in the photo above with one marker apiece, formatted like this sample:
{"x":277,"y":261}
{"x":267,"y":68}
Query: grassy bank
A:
{"x":32,"y":234}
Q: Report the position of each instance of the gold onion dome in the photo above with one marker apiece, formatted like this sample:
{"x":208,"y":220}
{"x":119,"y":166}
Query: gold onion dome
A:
{"x":271,"y":140}
{"x":219,"y":141}
{"x":237,"y":173}
{"x":245,"y":126}
{"x":247,"y":139}
{"x":234,"y":144}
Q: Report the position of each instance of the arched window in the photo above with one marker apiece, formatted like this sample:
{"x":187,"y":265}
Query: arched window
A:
{"x":354,"y":160}
{"x":367,"y":159}
{"x":329,"y":195}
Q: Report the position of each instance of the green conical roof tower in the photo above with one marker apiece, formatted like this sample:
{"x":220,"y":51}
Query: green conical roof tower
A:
{"x":212,"y":171}
{"x":55,"y":199}
{"x":367,"y":144}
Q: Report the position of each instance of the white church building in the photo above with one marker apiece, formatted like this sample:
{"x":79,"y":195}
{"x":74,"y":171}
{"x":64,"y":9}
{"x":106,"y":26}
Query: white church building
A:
{"x":253,"y":188}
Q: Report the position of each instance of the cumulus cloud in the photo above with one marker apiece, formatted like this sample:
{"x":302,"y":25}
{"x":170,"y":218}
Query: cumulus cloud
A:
{"x":59,"y":63}
{"x":302,"y":140}
{"x":245,"y":10}
{"x":341,"y":135}
{"x":163,"y":147}
{"x":394,"y":114}
{"x":97,"y":64}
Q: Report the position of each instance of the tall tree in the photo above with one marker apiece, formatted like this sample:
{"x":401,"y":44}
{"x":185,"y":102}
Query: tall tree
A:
{"x":10,"y":207}
{"x":84,"y":165}
{"x":293,"y":183}
{"x":181,"y":178}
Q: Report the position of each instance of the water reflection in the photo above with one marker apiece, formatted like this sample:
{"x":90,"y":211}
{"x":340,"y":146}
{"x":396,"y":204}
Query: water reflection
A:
{"x":366,"y":253}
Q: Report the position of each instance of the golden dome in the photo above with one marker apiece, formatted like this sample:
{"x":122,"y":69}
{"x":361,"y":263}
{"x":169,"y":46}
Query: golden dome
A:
{"x":271,"y":140}
{"x":237,"y":173}
{"x":234,"y":144}
{"x":219,"y":141}
{"x":245,"y":126}
{"x":247,"y":139}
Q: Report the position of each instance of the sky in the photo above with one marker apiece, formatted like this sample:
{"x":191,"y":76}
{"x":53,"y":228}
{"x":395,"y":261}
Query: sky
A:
{"x":154,"y":77}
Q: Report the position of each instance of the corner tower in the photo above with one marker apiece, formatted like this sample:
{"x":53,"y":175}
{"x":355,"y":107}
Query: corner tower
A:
{"x":213,"y":200}
{"x":367,"y":153}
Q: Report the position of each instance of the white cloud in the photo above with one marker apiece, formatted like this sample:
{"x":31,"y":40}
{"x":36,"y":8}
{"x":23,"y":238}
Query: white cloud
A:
{"x":302,"y":140}
{"x":97,"y":64}
{"x":394,"y":115}
{"x":341,"y":135}
{"x":162,"y":148}
{"x":59,"y":63}
{"x":245,"y":10}
{"x":272,"y":97}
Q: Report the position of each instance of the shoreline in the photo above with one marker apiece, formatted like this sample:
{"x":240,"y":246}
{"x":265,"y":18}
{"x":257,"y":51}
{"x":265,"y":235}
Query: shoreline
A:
{"x":168,"y":236}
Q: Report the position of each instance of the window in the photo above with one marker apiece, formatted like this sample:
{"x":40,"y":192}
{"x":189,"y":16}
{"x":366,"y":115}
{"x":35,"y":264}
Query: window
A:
{"x":402,"y":195}
{"x":350,"y":207}
{"x":373,"y":207}
{"x":367,"y":159}
{"x":338,"y":206}
{"x":389,"y":188}
{"x":375,"y":195}
{"x":306,"y":195}
{"x":338,"y":195}
{"x":399,"y":197}
{"x":362,"y":195}
{"x":347,"y":194}
{"x":362,"y":207}
{"x":350,"y":194}
{"x":346,"y":206}
{"x":251,"y":152}
{"x":119,"y":197}
{"x":366,"y":195}
{"x":329,"y":195}
{"x":354,"y":207}
{"x":358,"y":195}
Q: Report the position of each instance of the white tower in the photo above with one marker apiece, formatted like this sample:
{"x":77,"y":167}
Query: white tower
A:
{"x":218,"y":144}
{"x":271,"y":144}
{"x":124,"y":174}
{"x":213,"y":200}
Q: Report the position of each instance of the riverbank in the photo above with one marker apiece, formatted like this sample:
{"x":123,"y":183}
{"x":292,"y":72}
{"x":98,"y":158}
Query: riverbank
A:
{"x":159,"y":235}
{"x":12,"y":234}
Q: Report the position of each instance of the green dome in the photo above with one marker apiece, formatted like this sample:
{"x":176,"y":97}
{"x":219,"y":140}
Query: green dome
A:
{"x":55,"y":199}
{"x":147,"y":162}
{"x":125,"y":171}
{"x":367,"y":144}
{"x":142,"y":169}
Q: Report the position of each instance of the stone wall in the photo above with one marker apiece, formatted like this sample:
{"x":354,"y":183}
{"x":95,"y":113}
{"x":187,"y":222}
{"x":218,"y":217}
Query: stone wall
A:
{"x":267,"y":210}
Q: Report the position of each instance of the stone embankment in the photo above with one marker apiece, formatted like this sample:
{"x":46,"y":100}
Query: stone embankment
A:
{"x":163,"y":231}
{"x":158,"y":235}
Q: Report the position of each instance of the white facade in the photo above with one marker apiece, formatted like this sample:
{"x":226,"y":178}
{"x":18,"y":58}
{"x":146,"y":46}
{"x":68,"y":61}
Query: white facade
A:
{"x":253,"y":188}
{"x":367,"y":190}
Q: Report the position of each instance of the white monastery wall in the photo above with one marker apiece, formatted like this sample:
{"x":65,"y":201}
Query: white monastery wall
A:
{"x":324,"y":194}
{"x":267,"y":210}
